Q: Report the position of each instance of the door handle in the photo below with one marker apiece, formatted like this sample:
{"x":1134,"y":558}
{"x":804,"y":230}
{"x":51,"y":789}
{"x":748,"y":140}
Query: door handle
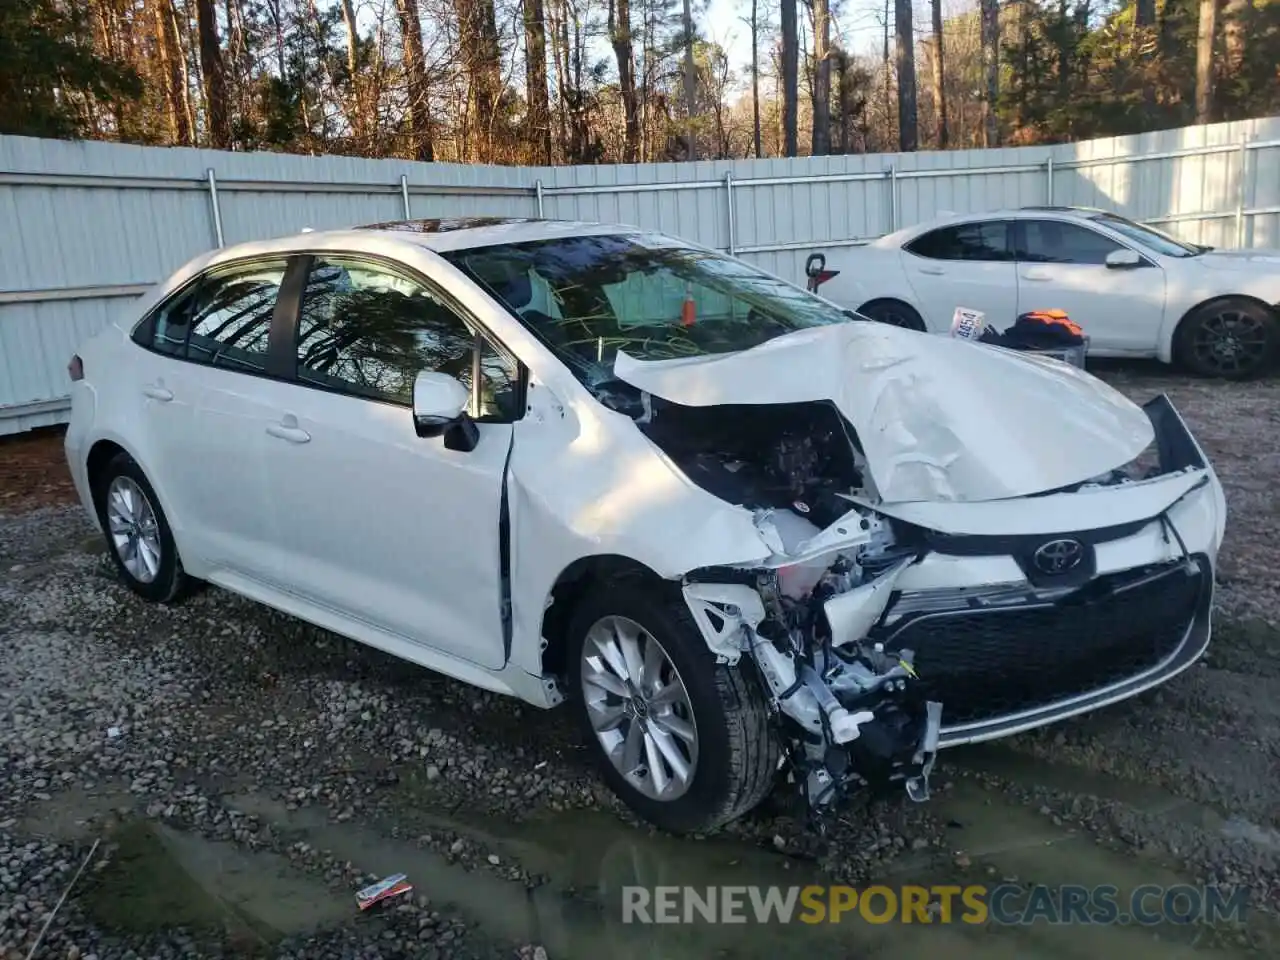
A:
{"x":288,"y":429}
{"x":1037,"y":275}
{"x":934,"y":271}
{"x":158,"y":392}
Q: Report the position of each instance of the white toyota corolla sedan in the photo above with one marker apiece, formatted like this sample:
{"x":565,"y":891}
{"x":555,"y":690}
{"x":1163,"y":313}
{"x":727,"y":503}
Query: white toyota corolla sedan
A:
{"x":749,"y":536}
{"x":1135,"y":290}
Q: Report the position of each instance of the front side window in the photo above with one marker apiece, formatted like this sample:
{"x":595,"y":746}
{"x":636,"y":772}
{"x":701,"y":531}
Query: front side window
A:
{"x":367,"y":330}
{"x":985,"y":241}
{"x":648,"y":296}
{"x":1056,"y":241}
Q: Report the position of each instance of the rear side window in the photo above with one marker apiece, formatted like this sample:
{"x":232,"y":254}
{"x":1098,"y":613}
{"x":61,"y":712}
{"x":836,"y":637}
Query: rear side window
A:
{"x":172,"y":325}
{"x":224,"y":319}
{"x":231,"y":318}
{"x":986,"y":241}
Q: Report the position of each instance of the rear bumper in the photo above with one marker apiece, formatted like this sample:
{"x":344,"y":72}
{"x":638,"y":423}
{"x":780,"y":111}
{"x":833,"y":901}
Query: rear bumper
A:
{"x":76,"y":444}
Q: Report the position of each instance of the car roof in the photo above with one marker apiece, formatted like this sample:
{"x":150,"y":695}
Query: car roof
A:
{"x":440,"y":235}
{"x":906,"y":234}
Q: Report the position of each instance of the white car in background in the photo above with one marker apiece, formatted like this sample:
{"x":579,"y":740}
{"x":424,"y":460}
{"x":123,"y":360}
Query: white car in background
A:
{"x":741,"y":531}
{"x":1135,"y":290}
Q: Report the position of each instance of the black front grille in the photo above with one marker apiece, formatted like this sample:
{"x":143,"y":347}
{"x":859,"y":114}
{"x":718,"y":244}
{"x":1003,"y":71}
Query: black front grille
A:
{"x":983,"y":664}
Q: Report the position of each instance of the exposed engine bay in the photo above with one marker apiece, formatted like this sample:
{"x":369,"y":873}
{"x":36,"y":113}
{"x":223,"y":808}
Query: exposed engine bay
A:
{"x":790,"y":456}
{"x":845,"y":706}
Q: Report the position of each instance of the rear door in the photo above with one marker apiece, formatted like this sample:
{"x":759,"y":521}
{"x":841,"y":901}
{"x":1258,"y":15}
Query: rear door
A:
{"x":1063,"y":265}
{"x":200,"y":386}
{"x":963,"y":265}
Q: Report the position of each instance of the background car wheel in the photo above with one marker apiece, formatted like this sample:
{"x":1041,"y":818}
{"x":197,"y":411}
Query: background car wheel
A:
{"x":893,"y":312}
{"x":686,"y":742}
{"x":138,"y":535}
{"x":1232,"y":338}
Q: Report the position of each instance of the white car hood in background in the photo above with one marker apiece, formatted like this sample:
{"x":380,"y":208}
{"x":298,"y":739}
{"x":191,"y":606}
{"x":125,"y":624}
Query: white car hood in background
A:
{"x":1257,"y":260}
{"x":939,"y":419}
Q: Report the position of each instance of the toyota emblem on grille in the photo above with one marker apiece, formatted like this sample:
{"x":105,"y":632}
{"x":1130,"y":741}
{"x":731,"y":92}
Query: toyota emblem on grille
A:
{"x":1059,"y":556}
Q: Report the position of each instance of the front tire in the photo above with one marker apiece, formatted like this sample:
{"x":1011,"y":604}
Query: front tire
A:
{"x":684,"y":741}
{"x":1231,"y":339}
{"x":138,"y":534}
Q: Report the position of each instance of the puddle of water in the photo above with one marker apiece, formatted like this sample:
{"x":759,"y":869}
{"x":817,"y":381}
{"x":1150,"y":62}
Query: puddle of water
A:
{"x":589,"y":856}
{"x":1010,"y":765}
{"x":160,"y":878}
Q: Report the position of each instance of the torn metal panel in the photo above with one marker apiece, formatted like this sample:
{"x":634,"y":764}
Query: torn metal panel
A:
{"x":931,"y":424}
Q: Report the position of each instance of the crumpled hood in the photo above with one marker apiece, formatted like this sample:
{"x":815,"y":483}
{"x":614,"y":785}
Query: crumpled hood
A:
{"x":939,"y":419}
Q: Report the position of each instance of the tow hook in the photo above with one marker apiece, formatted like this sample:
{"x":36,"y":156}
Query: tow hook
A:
{"x":926,"y":753}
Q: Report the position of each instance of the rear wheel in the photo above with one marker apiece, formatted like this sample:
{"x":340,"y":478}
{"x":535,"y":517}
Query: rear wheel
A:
{"x":1232,"y":338}
{"x":893,"y":312}
{"x":138,"y":535}
{"x":686,"y":742}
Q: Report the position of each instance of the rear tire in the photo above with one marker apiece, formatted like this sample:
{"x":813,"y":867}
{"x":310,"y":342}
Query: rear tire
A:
{"x":1230,"y":339}
{"x":138,"y":535}
{"x":895,"y":313}
{"x":733,"y":758}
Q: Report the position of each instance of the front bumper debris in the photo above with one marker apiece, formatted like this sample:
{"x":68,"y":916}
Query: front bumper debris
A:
{"x":883,"y":651}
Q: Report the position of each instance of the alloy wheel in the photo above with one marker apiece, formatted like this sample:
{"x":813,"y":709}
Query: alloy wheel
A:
{"x":639,"y":708}
{"x":1230,"y":341}
{"x":134,"y":532}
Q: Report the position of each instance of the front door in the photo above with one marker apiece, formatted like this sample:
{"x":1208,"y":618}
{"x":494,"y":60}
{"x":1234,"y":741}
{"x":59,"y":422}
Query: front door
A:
{"x":1063,"y":266}
{"x":376,"y":522}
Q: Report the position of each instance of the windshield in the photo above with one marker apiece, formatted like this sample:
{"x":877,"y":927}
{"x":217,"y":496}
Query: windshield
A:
{"x":1157,"y":240}
{"x":646,"y":295}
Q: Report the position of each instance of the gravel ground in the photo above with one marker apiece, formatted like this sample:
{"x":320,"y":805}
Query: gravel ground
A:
{"x":230,"y":760}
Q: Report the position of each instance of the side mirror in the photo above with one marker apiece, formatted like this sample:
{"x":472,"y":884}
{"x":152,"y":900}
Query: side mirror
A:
{"x":439,"y":409}
{"x":1123,"y":259}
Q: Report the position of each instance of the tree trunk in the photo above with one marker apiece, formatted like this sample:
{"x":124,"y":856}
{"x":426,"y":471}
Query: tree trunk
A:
{"x":821,"y":78}
{"x":755,"y":77}
{"x":888,"y":74}
{"x":906,"y":56}
{"x":357,"y":108}
{"x":1144,"y":13}
{"x":170,"y":55}
{"x":991,"y":65}
{"x":1204,"y":60}
{"x":478,"y":32}
{"x":690,"y":86}
{"x":535,"y":72}
{"x":1234,"y":27}
{"x":790,"y":78}
{"x":939,"y":72}
{"x":620,"y":39}
{"x":215,"y":81}
{"x":413,"y":59}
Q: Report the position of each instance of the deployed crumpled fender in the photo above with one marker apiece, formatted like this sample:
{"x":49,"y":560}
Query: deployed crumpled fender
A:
{"x":583,"y":481}
{"x":939,"y":419}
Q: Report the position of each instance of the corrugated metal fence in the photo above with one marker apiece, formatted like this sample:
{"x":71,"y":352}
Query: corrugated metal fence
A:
{"x":86,"y":226}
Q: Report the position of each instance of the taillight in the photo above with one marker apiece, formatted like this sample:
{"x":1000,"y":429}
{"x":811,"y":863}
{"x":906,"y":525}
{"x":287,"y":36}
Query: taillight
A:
{"x":76,"y":368}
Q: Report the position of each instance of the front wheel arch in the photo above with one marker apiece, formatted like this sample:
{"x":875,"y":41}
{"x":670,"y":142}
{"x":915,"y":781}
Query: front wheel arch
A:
{"x":1179,"y":341}
{"x":911,"y":317}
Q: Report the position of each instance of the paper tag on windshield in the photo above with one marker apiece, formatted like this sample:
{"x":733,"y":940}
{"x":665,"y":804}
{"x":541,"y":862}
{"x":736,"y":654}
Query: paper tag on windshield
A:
{"x":968,"y":324}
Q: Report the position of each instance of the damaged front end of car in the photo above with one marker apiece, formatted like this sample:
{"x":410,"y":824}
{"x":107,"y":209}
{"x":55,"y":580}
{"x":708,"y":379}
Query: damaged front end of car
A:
{"x":910,"y":494}
{"x":846,"y":707}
